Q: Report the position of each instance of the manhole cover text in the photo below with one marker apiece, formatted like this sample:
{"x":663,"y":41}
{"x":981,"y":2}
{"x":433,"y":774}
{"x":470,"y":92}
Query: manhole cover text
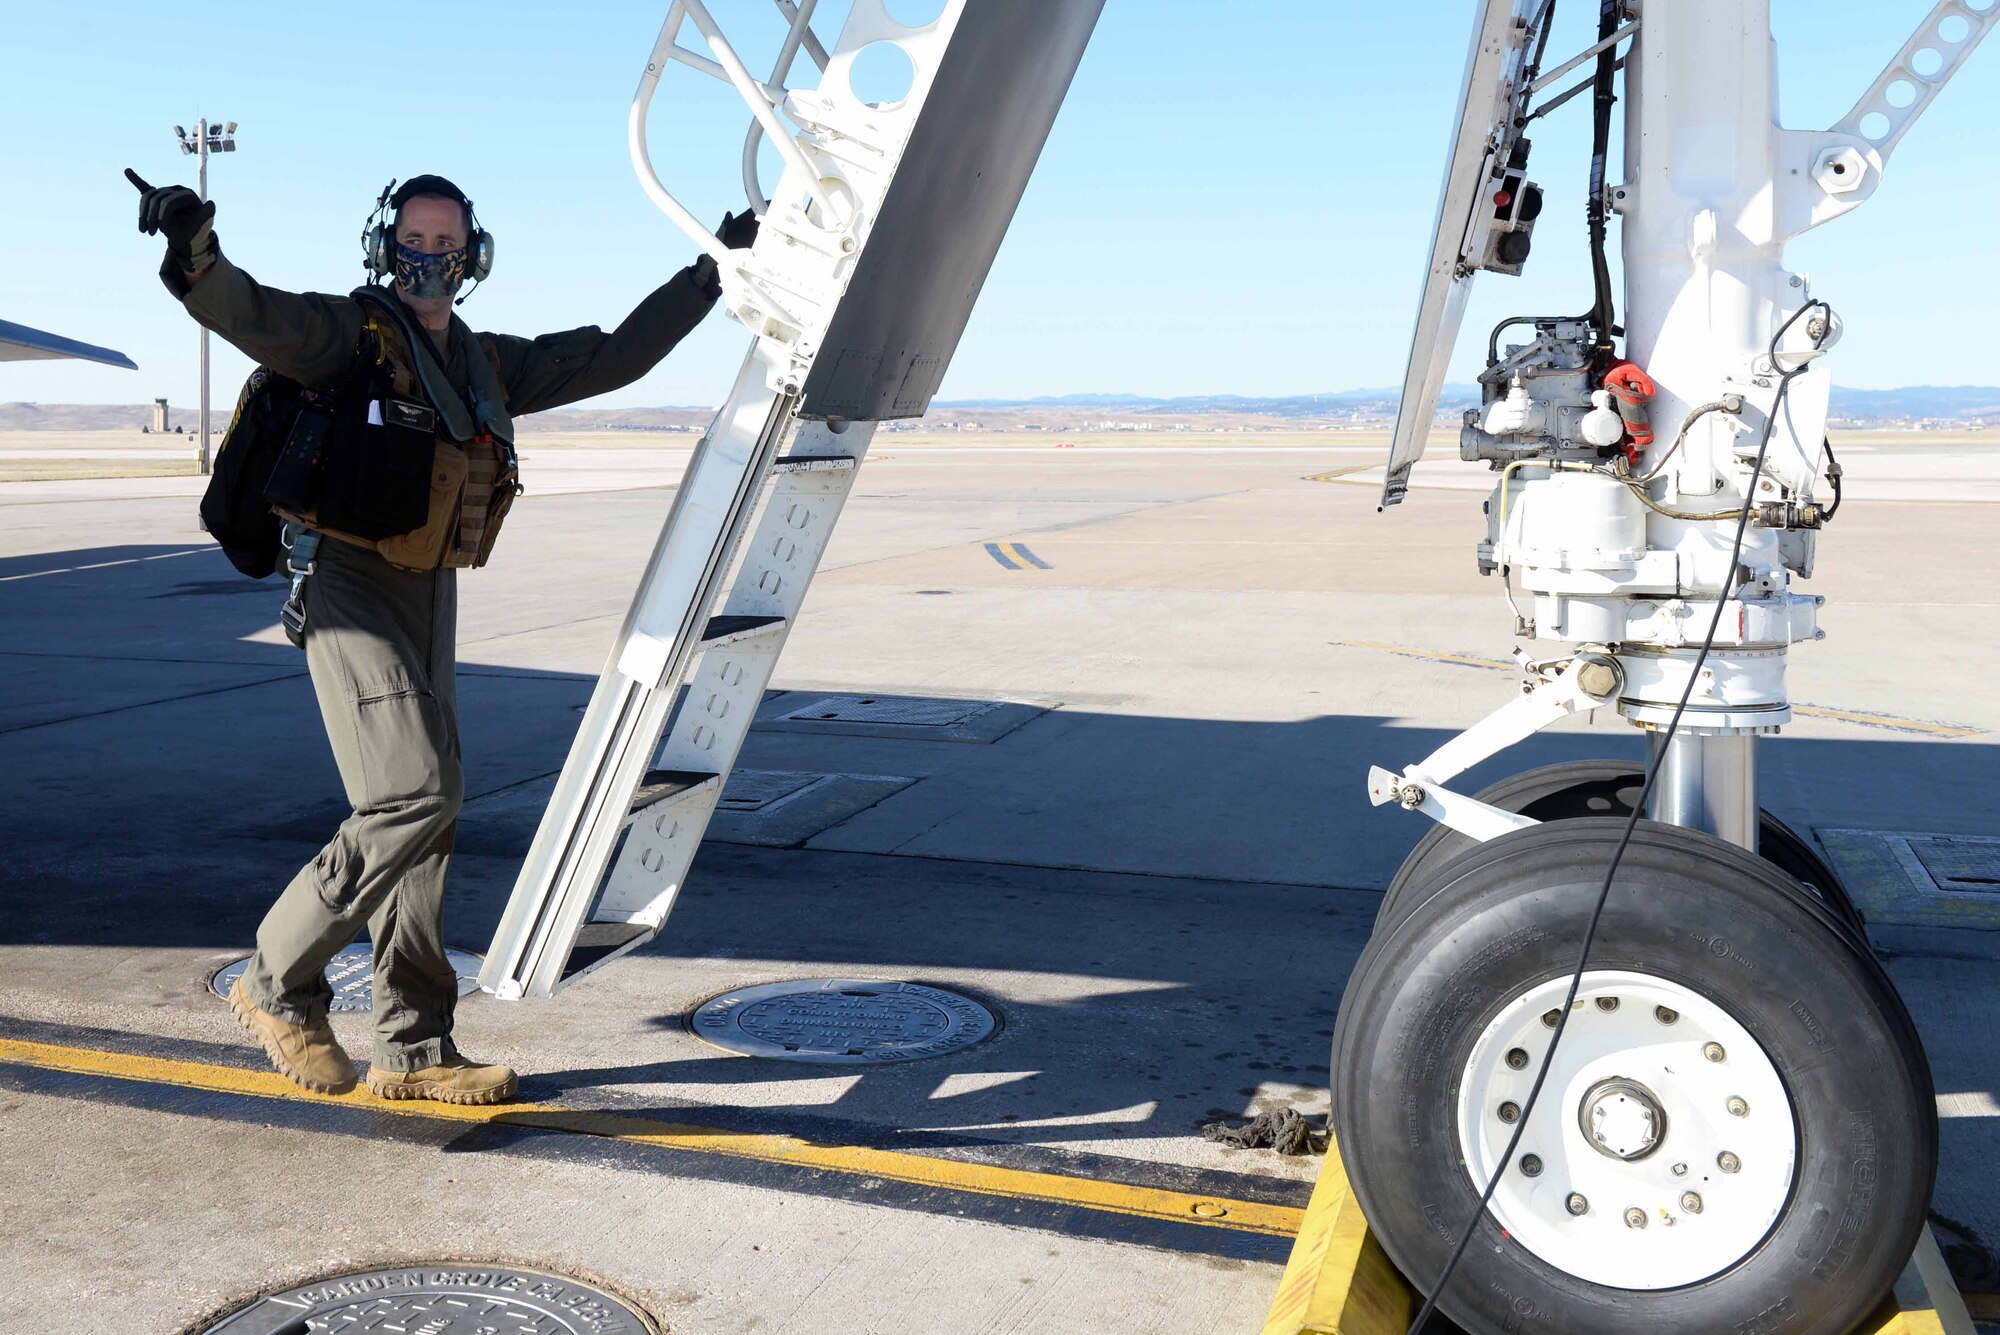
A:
{"x":444,"y":1298}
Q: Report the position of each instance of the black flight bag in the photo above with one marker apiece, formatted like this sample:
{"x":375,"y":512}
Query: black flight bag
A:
{"x":377,"y":480}
{"x":234,"y":510}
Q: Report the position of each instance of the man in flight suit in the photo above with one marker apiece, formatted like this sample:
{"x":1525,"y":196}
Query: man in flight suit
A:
{"x":381,"y":615}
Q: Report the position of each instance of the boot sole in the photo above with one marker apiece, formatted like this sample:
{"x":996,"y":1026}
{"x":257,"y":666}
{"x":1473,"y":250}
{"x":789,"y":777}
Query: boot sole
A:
{"x":472,"y":1097}
{"x":283,"y":1068}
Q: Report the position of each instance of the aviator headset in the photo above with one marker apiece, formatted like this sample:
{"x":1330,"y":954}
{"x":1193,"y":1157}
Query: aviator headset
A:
{"x":378,"y":238}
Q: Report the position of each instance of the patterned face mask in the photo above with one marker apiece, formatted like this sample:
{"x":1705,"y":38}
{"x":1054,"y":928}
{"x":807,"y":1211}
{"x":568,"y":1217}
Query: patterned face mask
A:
{"x":422,"y":275}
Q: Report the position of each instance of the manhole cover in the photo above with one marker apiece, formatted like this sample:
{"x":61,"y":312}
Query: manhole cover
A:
{"x":853,"y":1021}
{"x":755,"y":789}
{"x":443,"y":1298}
{"x":351,"y":974}
{"x":909,"y":711}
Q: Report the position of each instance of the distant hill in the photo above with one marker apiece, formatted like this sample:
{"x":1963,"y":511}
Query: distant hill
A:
{"x":1960,"y":407}
{"x":86,"y":416}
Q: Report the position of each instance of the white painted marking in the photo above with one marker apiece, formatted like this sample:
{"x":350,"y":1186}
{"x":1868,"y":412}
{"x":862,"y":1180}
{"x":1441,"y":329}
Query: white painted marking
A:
{"x":102,"y":565}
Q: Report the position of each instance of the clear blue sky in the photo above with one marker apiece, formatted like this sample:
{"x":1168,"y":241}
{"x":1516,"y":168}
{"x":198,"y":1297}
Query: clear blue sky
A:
{"x":1237,"y":197}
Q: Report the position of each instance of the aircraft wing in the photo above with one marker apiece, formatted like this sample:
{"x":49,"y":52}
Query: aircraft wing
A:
{"x":18,"y":343}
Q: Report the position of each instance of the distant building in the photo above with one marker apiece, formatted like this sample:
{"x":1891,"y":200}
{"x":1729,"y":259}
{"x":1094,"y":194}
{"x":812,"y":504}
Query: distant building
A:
{"x":160,"y":415}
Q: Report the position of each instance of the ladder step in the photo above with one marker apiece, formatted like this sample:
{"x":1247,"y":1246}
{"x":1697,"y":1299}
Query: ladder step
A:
{"x":661,"y":784}
{"x":813,"y":463}
{"x":729,"y":629}
{"x":600,"y":942}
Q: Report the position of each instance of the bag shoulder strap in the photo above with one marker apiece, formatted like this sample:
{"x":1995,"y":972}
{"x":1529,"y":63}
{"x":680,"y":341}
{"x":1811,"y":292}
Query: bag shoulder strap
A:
{"x":492,"y":351}
{"x":409,"y":349}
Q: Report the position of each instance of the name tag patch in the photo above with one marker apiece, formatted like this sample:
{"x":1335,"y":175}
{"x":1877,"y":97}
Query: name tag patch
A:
{"x":409,"y":415}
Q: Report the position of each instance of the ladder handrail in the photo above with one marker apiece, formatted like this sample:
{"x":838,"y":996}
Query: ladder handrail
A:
{"x":800,"y":18}
{"x":761,"y":98}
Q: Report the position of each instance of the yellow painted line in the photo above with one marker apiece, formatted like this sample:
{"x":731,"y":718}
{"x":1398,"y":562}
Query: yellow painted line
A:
{"x":1889,"y":721}
{"x":854,"y":1160}
{"x":1430,"y":655}
{"x":1894,"y":721}
{"x":1334,"y":474}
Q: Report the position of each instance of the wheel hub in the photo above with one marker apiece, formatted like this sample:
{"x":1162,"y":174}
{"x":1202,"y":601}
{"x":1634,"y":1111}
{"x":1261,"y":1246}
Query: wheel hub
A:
{"x":1621,"y":1118}
{"x":1663,"y":1146}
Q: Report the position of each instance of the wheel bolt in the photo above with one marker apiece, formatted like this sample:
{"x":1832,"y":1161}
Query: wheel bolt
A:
{"x":1517,"y":1058}
{"x":1691,"y":1202}
{"x":1549,"y":1018}
{"x":1576,"y":1203}
{"x":1728,"y":1162}
{"x":1635,"y":1218}
{"x":1665,"y":1015}
{"x":1510,"y":1112}
{"x":1607,"y":1003}
{"x":1737,"y":1107}
{"x":1531,"y":1164}
{"x":1713,"y":1051}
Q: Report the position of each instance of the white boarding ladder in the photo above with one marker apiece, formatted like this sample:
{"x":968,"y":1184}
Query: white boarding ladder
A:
{"x":623,"y":823}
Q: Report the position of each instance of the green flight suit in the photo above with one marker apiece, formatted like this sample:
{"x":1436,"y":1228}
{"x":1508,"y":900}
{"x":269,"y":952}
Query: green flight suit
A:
{"x":381,"y":647}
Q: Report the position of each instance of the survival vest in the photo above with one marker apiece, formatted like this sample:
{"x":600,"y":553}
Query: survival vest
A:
{"x":394,"y":459}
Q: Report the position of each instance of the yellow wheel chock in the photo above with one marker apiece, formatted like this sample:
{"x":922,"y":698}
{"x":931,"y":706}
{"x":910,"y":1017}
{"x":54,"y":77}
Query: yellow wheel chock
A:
{"x":1340,"y":1282}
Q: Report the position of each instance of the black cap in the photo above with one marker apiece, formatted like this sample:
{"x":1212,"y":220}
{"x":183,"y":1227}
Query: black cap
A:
{"x":428,"y":185}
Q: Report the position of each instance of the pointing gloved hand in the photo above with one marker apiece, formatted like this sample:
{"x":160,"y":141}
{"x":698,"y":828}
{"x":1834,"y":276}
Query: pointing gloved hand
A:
{"x":180,"y":215}
{"x":738,"y":230}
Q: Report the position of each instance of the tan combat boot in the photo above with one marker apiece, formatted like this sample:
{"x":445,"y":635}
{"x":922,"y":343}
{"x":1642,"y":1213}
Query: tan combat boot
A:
{"x":307,"y":1055}
{"x":455,"y":1081}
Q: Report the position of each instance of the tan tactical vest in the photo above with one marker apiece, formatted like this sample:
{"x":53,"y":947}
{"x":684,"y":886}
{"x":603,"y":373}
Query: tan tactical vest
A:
{"x":473,"y":485}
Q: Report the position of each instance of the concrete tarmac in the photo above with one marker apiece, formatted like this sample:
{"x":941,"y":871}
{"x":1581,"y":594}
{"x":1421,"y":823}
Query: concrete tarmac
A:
{"x":1158,"y":876}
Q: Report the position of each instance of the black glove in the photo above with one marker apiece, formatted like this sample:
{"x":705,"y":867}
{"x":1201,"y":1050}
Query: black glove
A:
{"x":177,"y":213}
{"x":738,"y":230}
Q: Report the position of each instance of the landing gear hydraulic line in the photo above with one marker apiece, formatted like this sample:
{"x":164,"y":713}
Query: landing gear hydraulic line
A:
{"x":1718,"y":1116}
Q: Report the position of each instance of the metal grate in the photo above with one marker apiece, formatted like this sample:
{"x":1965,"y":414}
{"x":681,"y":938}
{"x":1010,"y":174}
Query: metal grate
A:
{"x":903,"y":710}
{"x":1960,"y":864}
{"x":1918,"y":878}
{"x":756,"y":789}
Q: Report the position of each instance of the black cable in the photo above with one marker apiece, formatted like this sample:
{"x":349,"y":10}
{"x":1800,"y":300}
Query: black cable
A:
{"x":1543,"y":25}
{"x":1659,"y":756}
{"x":1602,"y":314}
{"x":1833,"y":472}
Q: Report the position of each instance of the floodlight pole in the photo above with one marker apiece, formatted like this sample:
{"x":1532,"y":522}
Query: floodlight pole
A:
{"x":204,"y":139}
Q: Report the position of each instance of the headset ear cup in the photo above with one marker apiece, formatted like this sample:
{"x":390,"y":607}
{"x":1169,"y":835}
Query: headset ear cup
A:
{"x":482,"y":255}
{"x":379,"y":261}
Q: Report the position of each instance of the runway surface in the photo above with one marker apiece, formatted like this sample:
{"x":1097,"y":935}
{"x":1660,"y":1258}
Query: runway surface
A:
{"x":1158,"y":876}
